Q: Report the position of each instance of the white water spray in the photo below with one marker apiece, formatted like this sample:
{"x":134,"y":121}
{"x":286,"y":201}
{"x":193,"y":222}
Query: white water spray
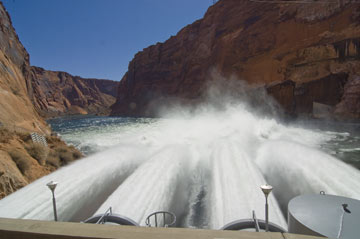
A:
{"x":83,"y":186}
{"x":206,"y":167}
{"x":151,"y":187}
{"x":295,"y":169}
{"x":235,"y":197}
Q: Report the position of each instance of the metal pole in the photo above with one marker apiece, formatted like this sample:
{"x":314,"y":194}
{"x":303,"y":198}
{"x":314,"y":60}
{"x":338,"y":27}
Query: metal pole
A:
{"x":52,"y":185}
{"x":266,"y":190}
{"x":266,"y":214}
{"x":54,"y":205}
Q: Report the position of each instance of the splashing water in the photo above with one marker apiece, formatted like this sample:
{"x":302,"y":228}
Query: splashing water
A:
{"x":310,"y":171}
{"x":157,"y":180}
{"x":80,"y":191}
{"x":206,"y":168}
{"x":239,"y":195}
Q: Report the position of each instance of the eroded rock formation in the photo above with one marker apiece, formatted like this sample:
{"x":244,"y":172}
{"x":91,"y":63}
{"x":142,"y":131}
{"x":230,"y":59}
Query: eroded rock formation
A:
{"x":301,"y":53}
{"x":28,"y":92}
{"x":59,"y":93}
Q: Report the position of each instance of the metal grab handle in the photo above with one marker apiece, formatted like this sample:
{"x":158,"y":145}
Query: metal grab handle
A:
{"x":164,"y":213}
{"x":256,"y":222}
{"x":102,"y":218}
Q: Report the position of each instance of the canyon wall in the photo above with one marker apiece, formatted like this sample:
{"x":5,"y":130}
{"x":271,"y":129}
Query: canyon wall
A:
{"x":300,"y":53}
{"x":30,"y":94}
{"x":16,"y":108}
{"x":57,"y":93}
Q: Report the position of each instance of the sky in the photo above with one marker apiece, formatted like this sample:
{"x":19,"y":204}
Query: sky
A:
{"x":97,"y":38}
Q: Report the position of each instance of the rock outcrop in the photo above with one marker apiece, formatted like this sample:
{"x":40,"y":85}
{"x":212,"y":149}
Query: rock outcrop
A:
{"x":349,"y":107}
{"x":300,"y":52}
{"x":57,"y":93}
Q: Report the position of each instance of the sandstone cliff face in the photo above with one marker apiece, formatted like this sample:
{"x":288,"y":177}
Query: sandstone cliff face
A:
{"x":301,"y":53}
{"x":26,"y":94}
{"x":59,"y":93}
{"x":16,"y":108}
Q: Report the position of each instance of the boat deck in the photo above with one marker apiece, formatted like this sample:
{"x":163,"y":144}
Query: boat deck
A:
{"x":29,"y":229}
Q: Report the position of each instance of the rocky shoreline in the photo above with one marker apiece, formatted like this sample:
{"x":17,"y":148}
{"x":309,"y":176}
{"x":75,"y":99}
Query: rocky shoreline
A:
{"x":22,"y":161}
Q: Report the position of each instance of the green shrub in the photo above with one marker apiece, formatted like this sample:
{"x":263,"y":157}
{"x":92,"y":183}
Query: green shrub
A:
{"x":38,"y":152}
{"x":20,"y":160}
{"x":65,"y":155}
{"x":53,"y":159}
{"x":53,"y":140}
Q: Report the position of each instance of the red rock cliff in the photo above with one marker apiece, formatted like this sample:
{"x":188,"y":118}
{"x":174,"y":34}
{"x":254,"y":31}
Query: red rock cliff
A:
{"x":301,"y":53}
{"x":16,"y":108}
{"x":26,"y":94}
{"x":59,"y":93}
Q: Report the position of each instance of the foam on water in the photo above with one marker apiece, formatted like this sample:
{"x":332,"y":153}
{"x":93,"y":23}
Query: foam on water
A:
{"x":235,"y":197}
{"x":83,"y":186}
{"x":205,"y":166}
{"x":152,"y":186}
{"x":295,"y":169}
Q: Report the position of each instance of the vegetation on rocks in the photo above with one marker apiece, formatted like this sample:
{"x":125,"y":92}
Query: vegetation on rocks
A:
{"x":24,"y":161}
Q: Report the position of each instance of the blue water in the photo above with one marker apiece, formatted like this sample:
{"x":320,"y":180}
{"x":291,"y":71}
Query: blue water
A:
{"x":344,"y":139}
{"x":91,"y":134}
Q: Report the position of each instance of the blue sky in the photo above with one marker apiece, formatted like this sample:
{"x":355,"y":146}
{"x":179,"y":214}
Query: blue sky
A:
{"x":97,"y":38}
